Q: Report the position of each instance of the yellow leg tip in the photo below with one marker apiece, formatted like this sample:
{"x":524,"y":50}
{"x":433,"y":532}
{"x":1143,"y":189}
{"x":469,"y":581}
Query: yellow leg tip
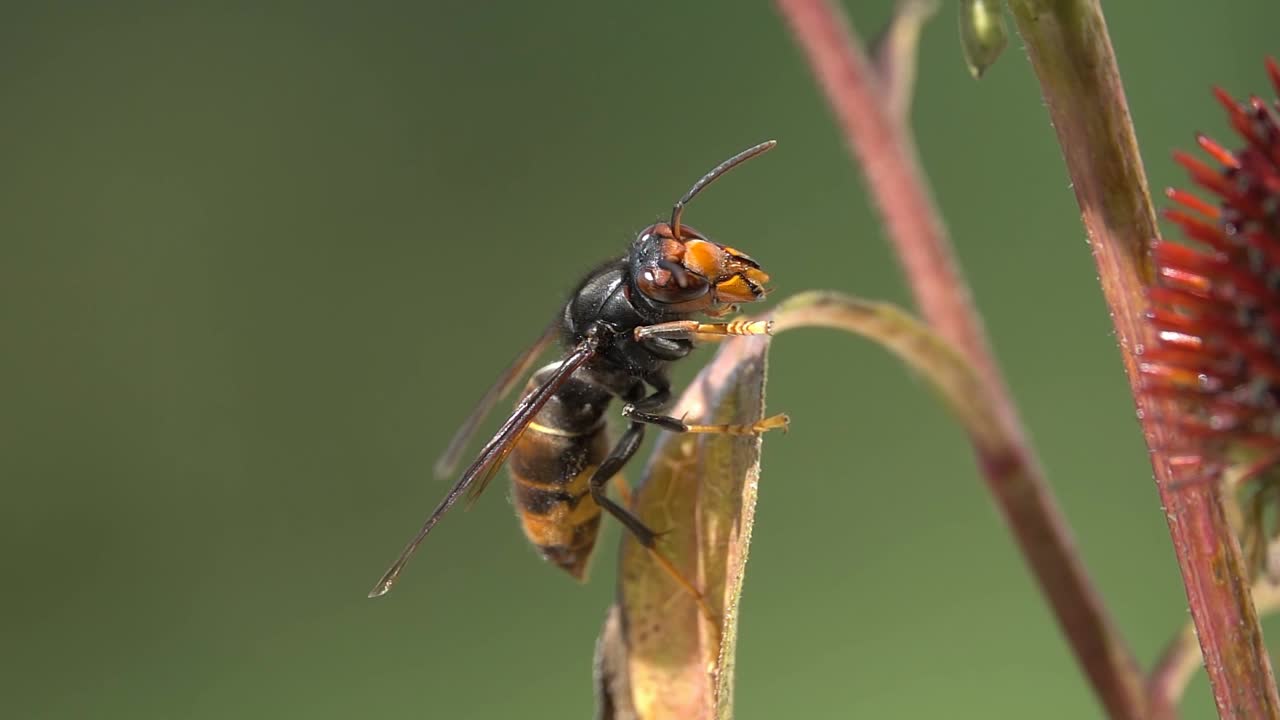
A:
{"x":781,"y":421}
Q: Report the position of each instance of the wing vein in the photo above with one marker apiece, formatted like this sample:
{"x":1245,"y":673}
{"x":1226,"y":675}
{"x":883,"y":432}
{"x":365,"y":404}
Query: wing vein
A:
{"x":503,"y":385}
{"x":491,"y":456}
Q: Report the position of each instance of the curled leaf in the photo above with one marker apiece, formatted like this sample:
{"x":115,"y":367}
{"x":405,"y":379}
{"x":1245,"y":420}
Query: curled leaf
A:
{"x":896,"y":330}
{"x":700,"y":491}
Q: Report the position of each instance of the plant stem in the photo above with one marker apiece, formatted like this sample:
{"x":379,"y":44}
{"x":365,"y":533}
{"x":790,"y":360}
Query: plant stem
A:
{"x":1181,"y":659}
{"x":1014,"y":478}
{"x":1072,"y":55}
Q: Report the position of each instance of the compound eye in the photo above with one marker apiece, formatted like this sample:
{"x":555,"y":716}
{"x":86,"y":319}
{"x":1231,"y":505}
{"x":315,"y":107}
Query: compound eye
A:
{"x":668,"y":282}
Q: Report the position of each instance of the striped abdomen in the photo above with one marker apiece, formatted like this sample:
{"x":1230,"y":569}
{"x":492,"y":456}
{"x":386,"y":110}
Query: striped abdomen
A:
{"x":551,"y":465}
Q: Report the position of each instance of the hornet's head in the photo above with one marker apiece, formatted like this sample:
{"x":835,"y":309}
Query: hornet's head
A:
{"x":676,"y":268}
{"x":689,"y":273}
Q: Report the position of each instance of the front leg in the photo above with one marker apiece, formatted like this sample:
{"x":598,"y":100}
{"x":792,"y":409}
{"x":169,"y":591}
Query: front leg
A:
{"x":694,"y":330}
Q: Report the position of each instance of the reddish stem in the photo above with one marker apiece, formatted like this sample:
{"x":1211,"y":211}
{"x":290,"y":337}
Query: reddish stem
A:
{"x":1015,"y":480}
{"x":1071,"y":52}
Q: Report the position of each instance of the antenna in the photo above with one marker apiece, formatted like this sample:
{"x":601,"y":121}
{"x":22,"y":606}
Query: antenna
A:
{"x":710,"y":177}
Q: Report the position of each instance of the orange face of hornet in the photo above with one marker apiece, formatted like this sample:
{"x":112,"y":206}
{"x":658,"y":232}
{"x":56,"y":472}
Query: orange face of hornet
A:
{"x":694,"y":274}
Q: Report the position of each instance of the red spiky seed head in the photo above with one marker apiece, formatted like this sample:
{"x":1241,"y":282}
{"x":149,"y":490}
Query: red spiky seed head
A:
{"x":1215,"y":303}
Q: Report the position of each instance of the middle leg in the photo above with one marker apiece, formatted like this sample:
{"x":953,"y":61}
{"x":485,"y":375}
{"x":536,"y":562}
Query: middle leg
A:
{"x":648,"y":410}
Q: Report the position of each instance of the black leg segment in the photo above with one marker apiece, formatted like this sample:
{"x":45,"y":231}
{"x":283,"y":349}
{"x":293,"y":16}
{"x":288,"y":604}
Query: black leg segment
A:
{"x":621,"y":453}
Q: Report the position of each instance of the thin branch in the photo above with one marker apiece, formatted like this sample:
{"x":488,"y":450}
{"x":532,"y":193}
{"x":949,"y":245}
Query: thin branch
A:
{"x":1072,"y":55}
{"x":896,"y":50}
{"x":1014,"y":478}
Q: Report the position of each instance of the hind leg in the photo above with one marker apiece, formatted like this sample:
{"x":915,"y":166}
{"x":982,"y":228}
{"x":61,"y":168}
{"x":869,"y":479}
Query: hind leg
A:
{"x":648,"y":539}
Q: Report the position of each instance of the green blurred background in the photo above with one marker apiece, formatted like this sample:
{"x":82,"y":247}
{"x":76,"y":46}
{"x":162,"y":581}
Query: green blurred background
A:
{"x":259,"y":261}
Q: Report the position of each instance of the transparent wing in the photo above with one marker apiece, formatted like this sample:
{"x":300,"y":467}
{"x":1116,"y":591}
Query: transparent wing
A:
{"x":491,"y":456}
{"x":506,"y":381}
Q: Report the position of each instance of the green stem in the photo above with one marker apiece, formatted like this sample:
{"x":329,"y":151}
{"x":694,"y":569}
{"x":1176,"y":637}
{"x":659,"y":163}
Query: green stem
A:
{"x":1071,"y":52}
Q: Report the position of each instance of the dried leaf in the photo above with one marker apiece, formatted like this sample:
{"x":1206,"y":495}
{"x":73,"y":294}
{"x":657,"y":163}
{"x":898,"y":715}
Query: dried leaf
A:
{"x":701,"y":491}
